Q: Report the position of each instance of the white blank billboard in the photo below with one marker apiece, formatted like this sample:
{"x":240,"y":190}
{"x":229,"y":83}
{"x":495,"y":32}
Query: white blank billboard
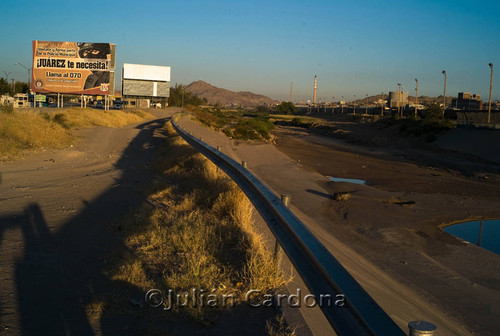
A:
{"x":146,"y":72}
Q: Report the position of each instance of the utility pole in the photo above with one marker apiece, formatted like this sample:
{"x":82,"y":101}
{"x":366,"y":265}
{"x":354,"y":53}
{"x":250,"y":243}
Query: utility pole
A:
{"x":444,"y":92}
{"x":366,"y":104}
{"x":315,"y":87}
{"x":29,"y":69}
{"x":491,"y":87}
{"x":399,"y":99}
{"x":382,"y":104}
{"x":416,"y":97}
{"x":291,"y":91}
{"x":354,"y":103}
{"x":7,"y":76}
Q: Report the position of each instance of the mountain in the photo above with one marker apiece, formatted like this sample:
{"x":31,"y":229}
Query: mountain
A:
{"x":228,"y":98}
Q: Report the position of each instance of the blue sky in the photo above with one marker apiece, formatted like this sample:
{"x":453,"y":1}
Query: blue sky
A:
{"x":355,"y":48}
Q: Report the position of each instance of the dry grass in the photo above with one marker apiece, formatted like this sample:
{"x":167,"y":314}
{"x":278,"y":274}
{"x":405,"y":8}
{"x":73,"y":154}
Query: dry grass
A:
{"x":278,"y":327}
{"x":23,"y":130}
{"x":341,"y":196}
{"x":199,"y":235}
{"x":88,"y":117}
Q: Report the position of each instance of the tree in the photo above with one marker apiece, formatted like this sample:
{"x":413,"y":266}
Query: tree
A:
{"x":21,"y":87}
{"x":179,"y":97}
{"x":5,"y":88}
{"x":261,"y":109}
{"x":432,"y":111}
{"x":286,"y":108}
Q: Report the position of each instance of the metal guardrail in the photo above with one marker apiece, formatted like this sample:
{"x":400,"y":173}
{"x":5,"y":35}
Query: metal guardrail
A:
{"x":321,"y":272}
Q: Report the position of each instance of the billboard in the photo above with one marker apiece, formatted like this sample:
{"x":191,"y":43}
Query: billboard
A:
{"x":73,"y":67}
{"x":145,"y":80}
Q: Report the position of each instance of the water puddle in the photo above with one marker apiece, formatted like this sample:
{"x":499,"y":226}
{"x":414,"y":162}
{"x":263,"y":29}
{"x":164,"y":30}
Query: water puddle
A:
{"x":485,"y":233}
{"x":340,"y":179}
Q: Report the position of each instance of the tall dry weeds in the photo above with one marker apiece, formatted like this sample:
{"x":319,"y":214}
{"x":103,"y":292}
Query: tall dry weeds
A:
{"x":31,"y":129}
{"x":199,"y":235}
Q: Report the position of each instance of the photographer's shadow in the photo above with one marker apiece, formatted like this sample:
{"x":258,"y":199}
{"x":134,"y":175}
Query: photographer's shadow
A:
{"x":62,"y":274}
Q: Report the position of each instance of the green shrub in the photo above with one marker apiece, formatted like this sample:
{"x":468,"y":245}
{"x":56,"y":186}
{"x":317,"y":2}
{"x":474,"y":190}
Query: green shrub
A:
{"x":228,"y":132}
{"x":286,"y":108}
{"x":7,"y":108}
{"x":212,"y":118}
{"x":433,"y":111}
{"x":299,"y":122}
{"x":253,"y":129}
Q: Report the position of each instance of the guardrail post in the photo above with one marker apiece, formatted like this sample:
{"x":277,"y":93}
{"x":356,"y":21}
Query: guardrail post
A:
{"x":244,"y":164}
{"x":421,"y":328}
{"x":278,"y":251}
{"x":219,"y":148}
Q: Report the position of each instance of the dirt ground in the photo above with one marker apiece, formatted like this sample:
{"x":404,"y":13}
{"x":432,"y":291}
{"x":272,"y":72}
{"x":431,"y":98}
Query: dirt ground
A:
{"x":56,"y":207}
{"x":387,"y":234}
{"x":58,"y":210}
{"x":413,"y":189}
{"x":55,"y":214}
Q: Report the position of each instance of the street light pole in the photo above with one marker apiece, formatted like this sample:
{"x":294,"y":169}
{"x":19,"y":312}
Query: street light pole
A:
{"x":416,"y":97}
{"x":491,"y":87}
{"x":354,"y":103}
{"x":366,"y":104}
{"x":29,"y":87}
{"x":444,"y":92}
{"x":382,"y":104}
{"x":399,"y":99}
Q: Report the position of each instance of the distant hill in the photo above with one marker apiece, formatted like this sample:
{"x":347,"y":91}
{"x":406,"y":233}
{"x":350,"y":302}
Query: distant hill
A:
{"x":228,"y":98}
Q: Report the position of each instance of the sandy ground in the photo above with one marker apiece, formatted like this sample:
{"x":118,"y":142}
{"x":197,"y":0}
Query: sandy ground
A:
{"x":387,"y":234}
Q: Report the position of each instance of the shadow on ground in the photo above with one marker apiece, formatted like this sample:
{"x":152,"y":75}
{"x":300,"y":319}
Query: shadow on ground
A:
{"x":61,"y":273}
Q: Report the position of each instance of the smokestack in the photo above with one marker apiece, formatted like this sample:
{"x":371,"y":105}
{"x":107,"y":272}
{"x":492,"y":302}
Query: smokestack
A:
{"x":315,"y":86}
{"x":291,"y":91}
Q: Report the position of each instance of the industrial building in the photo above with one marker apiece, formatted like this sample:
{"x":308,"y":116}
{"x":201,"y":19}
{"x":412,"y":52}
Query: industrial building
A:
{"x":467,"y":101}
{"x":398,"y":99}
